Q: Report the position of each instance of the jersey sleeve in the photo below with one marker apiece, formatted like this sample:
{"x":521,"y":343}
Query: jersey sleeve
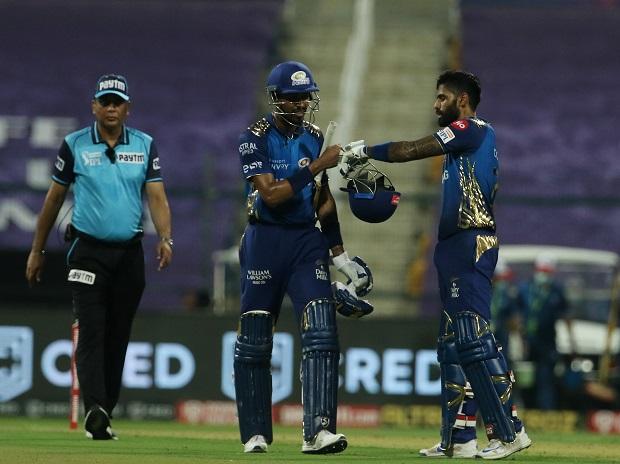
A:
{"x":63,"y":167}
{"x":153,"y":170}
{"x":253,"y":155}
{"x":461,"y":137}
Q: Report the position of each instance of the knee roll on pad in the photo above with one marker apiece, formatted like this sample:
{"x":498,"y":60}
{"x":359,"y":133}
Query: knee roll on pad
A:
{"x":486,"y":370}
{"x":319,"y":367}
{"x":252,"y":367}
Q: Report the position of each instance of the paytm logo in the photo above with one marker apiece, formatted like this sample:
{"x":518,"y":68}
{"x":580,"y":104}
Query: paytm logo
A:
{"x":15,"y":361}
{"x":281,"y":365}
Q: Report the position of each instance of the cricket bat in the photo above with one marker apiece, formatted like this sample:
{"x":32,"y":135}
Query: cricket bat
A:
{"x":327,"y":141}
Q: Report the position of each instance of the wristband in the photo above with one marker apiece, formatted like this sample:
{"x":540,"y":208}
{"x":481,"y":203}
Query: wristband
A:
{"x":380,"y":152}
{"x":332,"y":232}
{"x":300,"y":179}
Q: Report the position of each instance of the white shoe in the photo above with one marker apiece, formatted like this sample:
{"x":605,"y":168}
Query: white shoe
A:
{"x":256,"y":444}
{"x":497,"y":449}
{"x":325,"y":442}
{"x":459,"y":450}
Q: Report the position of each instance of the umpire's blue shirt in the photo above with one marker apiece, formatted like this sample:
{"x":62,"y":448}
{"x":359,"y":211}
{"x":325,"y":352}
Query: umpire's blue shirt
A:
{"x":469,"y":176}
{"x":265,"y":150}
{"x":108,"y":196}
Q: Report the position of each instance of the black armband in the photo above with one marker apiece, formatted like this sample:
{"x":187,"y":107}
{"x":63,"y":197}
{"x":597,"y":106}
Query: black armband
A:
{"x":332,"y":232}
{"x":300,"y":179}
{"x":380,"y":152}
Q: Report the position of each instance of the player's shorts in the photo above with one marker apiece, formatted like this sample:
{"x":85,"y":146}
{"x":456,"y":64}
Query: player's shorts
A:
{"x":465,"y":264}
{"x":278,"y":259}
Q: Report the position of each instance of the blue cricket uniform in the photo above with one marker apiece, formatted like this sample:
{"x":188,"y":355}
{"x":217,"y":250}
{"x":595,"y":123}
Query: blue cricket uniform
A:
{"x":466,"y":253}
{"x":281,"y":249}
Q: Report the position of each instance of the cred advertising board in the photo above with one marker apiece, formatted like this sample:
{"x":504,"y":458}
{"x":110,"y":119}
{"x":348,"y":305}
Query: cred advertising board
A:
{"x":175,"y":358}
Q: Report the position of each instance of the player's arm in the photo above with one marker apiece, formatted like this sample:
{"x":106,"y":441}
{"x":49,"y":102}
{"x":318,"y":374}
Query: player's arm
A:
{"x":401,"y":152}
{"x":328,"y":218}
{"x":357,"y":153}
{"x":358,"y":274}
{"x":47,"y":217}
{"x":160,"y":213}
{"x":275,"y":192}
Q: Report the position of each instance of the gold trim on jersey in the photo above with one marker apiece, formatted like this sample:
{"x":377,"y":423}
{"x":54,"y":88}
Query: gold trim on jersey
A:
{"x":473,"y":212}
{"x":259,"y":128}
{"x":485,"y":243}
{"x":314,"y":129}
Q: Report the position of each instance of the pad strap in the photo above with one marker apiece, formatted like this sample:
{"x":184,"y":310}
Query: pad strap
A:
{"x":252,"y":367}
{"x":319,"y":367}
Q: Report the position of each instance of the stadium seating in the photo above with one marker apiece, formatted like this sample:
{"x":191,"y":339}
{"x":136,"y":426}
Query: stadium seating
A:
{"x":549,"y":74}
{"x":192,"y":69}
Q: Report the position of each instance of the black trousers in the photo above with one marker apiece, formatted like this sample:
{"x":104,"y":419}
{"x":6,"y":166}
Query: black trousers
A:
{"x":107,"y":281}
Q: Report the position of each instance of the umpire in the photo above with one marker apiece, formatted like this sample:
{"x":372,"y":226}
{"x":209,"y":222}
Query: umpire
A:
{"x":110,"y":165}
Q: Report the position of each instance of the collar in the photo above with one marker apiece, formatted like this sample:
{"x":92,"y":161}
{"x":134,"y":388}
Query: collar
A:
{"x":123,"y":139}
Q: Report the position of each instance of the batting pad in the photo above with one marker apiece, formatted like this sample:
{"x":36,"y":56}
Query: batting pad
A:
{"x":252,"y":367}
{"x":487,"y":372}
{"x":319,"y":367}
{"x":456,"y":395}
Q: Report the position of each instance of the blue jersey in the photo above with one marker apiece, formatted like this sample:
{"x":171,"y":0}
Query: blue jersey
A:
{"x":469,"y":176}
{"x":265,"y":150}
{"x":108,"y":196}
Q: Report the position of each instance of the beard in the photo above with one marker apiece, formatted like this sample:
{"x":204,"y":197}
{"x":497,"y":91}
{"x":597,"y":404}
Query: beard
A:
{"x":450,"y":115}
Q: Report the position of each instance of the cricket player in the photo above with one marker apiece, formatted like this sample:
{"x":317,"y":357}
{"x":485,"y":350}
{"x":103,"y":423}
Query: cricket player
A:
{"x":111,"y":166}
{"x":282,"y":251}
{"x":471,"y":362}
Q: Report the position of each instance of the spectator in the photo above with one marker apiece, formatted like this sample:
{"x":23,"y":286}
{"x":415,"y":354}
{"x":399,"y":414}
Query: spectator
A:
{"x":542,"y":303}
{"x":504,"y":305}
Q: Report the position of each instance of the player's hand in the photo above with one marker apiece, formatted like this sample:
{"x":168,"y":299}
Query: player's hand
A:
{"x":353,"y":156}
{"x":329,"y":158}
{"x":163,"y":254}
{"x":34,"y":267}
{"x":357,"y":272}
{"x":347,"y":302}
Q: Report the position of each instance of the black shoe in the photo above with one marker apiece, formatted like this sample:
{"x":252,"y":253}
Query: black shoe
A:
{"x":97,"y":425}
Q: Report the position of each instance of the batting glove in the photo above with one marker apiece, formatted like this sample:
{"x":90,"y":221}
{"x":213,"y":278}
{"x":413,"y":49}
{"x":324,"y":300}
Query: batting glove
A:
{"x":353,"y":156}
{"x":347,"y":302}
{"x":357,"y":272}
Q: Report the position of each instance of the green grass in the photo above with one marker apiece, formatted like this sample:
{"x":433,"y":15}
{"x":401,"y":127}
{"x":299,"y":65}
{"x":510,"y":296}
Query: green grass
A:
{"x":48,"y":441}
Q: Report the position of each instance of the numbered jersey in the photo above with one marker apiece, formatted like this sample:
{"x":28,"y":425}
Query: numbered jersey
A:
{"x":263,"y":149}
{"x":470,"y":175}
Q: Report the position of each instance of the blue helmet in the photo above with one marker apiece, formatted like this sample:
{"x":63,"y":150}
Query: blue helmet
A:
{"x":291,"y":77}
{"x":288,"y":79}
{"x":372,"y":196}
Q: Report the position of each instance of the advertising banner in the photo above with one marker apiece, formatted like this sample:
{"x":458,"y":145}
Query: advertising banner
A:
{"x":177,"y":359}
